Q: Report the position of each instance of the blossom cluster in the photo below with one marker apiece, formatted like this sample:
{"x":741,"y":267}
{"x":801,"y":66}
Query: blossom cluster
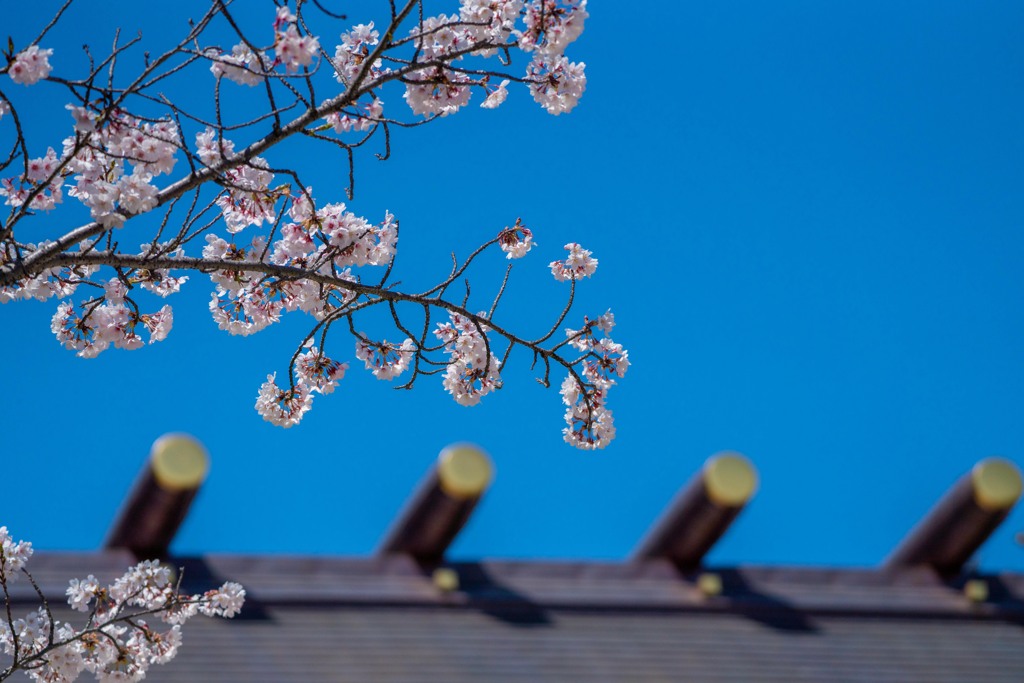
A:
{"x":30,"y":66}
{"x":13,"y":555}
{"x":343,"y":122}
{"x":550,"y":26}
{"x":248,"y":199}
{"x":384,"y":359}
{"x":589,"y":422}
{"x":108,"y":323}
{"x":290,"y":47}
{"x":111,"y":319}
{"x":41,"y":185}
{"x":480,"y":28}
{"x":579,"y":264}
{"x":98,"y":156}
{"x":100,"y":152}
{"x":328,"y":241}
{"x":351,"y":54}
{"x":119,"y":641}
{"x":516,"y":241}
{"x":51,"y":282}
{"x":243,"y":66}
{"x":314,"y":373}
{"x":472,"y":371}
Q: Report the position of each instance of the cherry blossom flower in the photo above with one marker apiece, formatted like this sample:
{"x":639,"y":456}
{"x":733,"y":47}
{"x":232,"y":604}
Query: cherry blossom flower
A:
{"x":98,"y":157}
{"x":30,"y":66}
{"x":114,"y":291}
{"x":437,"y":91}
{"x":472,"y":372}
{"x":552,"y":24}
{"x":489,"y":21}
{"x":384,"y":359}
{"x":101,"y":198}
{"x":350,"y":56}
{"x":44,"y":197}
{"x":590,"y":426}
{"x":283,"y":407}
{"x":556,"y":83}
{"x":578,"y":264}
{"x":243,"y":66}
{"x":438,"y":37}
{"x":496,"y":97}
{"x":349,"y":240}
{"x":246,"y":311}
{"x":248,"y":201}
{"x":135,"y":193}
{"x":85,"y":120}
{"x":52,"y":282}
{"x":111,"y":322}
{"x":516,"y":241}
{"x":343,"y":122}
{"x":467,"y":383}
{"x":589,"y":423}
{"x":149,"y":147}
{"x":319,"y":372}
{"x":42,"y":168}
{"x":81,"y":593}
{"x":13,"y":555}
{"x":212,"y":149}
{"x":159,"y":323}
{"x":159,"y":281}
{"x":226,"y":601}
{"x":290,"y":48}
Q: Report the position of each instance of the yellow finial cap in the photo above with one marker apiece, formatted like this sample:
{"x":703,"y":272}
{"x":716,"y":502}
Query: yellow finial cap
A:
{"x":729,"y":479}
{"x":179,"y":462}
{"x":464,"y":471}
{"x":997,"y":483}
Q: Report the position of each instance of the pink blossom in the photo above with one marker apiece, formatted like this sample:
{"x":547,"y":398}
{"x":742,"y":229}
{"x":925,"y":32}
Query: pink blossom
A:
{"x":552,"y":24}
{"x":319,"y":372}
{"x":497,"y":97}
{"x":159,"y":323}
{"x":14,"y":555}
{"x":556,"y":83}
{"x":350,"y":56}
{"x":384,"y":359}
{"x":437,"y":91}
{"x":516,"y":241}
{"x":30,"y":66}
{"x":343,"y":122}
{"x":490,"y":21}
{"x":243,"y":66}
{"x":283,"y":407}
{"x":290,"y":48}
{"x":578,"y":264}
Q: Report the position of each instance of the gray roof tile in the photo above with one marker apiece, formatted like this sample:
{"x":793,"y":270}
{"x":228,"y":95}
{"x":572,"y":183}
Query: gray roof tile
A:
{"x":383,"y":620}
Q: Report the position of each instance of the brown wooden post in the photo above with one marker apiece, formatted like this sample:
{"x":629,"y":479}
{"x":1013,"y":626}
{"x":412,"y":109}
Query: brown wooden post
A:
{"x":160,"y":498}
{"x":441,"y":505}
{"x":962,"y":519}
{"x":701,"y":512}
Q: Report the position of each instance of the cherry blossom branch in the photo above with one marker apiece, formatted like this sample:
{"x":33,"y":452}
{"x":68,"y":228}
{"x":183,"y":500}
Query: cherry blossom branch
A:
{"x":115,"y":643}
{"x":301,"y":255}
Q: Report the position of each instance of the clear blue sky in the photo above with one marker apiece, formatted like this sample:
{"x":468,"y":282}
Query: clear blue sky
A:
{"x":809,"y":224}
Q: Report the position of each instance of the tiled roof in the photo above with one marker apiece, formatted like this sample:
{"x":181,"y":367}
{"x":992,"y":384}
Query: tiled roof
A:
{"x":321,"y":619}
